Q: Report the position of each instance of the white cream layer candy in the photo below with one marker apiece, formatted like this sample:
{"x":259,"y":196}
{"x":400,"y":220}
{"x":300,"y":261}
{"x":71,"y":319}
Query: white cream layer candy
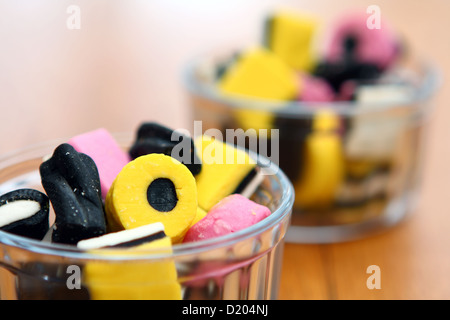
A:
{"x":25,"y":212}
{"x":125,"y":238}
{"x":18,"y":210}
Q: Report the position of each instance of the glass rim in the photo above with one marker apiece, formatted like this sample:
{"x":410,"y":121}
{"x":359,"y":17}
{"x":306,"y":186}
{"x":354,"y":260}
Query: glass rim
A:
{"x":429,"y":84}
{"x":109,"y":254}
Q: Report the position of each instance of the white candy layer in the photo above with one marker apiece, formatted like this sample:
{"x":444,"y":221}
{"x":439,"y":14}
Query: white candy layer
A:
{"x":115,"y":238}
{"x":17,"y":210}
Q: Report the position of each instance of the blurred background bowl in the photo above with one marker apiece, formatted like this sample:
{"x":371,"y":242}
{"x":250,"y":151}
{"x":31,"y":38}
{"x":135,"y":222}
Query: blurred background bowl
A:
{"x":356,"y":165}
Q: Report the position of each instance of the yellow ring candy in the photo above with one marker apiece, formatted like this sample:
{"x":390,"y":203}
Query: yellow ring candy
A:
{"x":153,"y":188}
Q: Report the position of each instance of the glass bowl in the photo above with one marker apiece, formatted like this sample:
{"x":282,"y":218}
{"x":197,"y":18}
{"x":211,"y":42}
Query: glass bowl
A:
{"x":244,"y":265}
{"x":362,"y":178}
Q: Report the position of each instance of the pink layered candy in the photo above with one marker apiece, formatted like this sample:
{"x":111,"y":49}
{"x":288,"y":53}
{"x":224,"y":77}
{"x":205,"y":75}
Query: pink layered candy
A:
{"x":231,"y":214}
{"x":101,"y":146}
{"x":375,"y":45}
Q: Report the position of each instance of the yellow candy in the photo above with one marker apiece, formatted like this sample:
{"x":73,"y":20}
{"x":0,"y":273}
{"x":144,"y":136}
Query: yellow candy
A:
{"x":153,"y":188}
{"x":259,"y":73}
{"x":324,"y":165}
{"x":134,"y":279}
{"x":291,"y":36}
{"x":223,"y":169}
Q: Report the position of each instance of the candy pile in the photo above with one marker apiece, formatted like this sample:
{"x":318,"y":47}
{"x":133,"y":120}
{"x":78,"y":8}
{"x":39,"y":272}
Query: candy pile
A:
{"x":153,"y":196}
{"x":96,"y":188}
{"x":287,"y":66}
{"x":333,"y":158}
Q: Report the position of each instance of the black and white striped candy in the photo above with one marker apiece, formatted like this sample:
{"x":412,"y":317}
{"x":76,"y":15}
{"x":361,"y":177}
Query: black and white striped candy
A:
{"x":25,"y":212}
{"x":125,"y":238}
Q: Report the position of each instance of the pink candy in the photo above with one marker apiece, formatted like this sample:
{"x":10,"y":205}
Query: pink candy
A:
{"x":231,"y":214}
{"x":376,"y":46}
{"x":315,"y":89}
{"x":106,"y":153}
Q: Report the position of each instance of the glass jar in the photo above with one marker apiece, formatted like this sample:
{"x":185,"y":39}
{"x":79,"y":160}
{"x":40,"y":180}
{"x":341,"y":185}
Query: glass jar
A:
{"x":355,"y":166}
{"x":243,"y":265}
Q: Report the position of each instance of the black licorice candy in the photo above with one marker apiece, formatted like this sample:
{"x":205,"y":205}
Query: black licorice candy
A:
{"x":293,"y":133}
{"x":348,"y":67}
{"x":155,"y":138}
{"x":338,"y":73}
{"x":161,"y":195}
{"x":25,"y":212}
{"x":72,"y":183}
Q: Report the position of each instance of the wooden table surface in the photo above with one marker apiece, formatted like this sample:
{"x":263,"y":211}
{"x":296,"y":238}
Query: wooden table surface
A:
{"x":413,"y":257}
{"x":123,"y":67}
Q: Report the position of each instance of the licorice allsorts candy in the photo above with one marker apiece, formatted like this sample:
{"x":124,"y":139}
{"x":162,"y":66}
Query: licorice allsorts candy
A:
{"x":109,"y":158}
{"x":225,"y":170}
{"x":71,"y":181}
{"x":338,"y":73}
{"x":25,"y":212}
{"x":126,"y":238}
{"x":323,"y":168}
{"x":292,"y":136}
{"x":131,"y":279}
{"x":153,"y":188}
{"x":291,"y":37}
{"x":231,"y":214}
{"x":356,"y":52}
{"x":155,"y":138}
{"x":351,"y":33}
{"x":259,"y":73}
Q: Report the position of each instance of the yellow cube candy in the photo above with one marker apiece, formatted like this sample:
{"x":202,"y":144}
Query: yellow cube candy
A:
{"x":224,"y":167}
{"x":139,"y":279}
{"x":291,"y":37}
{"x":259,"y":73}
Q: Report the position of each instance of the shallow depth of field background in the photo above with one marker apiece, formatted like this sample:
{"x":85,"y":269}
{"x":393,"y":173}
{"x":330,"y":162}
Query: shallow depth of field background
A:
{"x":124,"y":65}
